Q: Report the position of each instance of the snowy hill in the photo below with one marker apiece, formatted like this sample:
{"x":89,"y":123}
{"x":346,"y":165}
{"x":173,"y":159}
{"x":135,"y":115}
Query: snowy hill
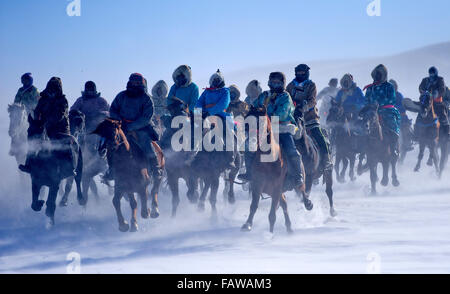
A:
{"x":408,"y":68}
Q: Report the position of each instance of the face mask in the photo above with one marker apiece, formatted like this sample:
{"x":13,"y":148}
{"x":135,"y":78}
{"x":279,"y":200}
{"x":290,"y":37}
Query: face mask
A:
{"x":27,"y":83}
{"x":276,"y":86}
{"x":181,"y":80}
{"x":378,"y":77}
{"x":233,"y":96}
{"x":217,"y":83}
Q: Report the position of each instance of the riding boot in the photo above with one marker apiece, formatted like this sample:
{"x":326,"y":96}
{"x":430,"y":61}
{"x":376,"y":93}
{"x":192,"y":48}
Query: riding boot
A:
{"x":325,"y":163}
{"x":295,"y":175}
{"x":154,"y":168}
{"x":248,"y":160}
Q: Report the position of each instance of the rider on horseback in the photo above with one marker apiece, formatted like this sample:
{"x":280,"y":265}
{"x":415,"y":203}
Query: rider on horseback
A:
{"x":214,"y":101}
{"x":27,"y":95}
{"x":236,"y":107}
{"x":435,"y":85}
{"x":94,"y":107}
{"x":279,"y":103}
{"x":303,"y":92}
{"x":351,"y":97}
{"x":382,"y":92}
{"x":405,"y":123}
{"x":253,"y":91}
{"x":51,"y":115}
{"x":134,"y":108}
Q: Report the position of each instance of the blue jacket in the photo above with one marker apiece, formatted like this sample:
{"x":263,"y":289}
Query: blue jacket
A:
{"x":282,"y":106}
{"x":188,"y":94}
{"x":384,"y":95}
{"x":218,"y":101}
{"x":351,"y":99}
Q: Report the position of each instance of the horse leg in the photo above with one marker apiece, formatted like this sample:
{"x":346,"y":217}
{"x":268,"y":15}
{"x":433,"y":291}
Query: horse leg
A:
{"x":352,"y":167}
{"x":213,"y":196}
{"x":143,"y":195}
{"x":192,"y":192}
{"x":51,"y":203}
{"x":287,"y":220}
{"x":94,"y":189}
{"x":201,"y":202}
{"x":336,"y":166}
{"x":443,"y":144}
{"x":173,"y":185}
{"x":305,"y":191}
{"x":67,"y":189}
{"x":273,"y":211}
{"x":154,"y":193}
{"x":328,"y":177}
{"x":133,"y":205}
{"x":373,"y":178}
{"x":435,"y":156}
{"x":344,"y":169}
{"x":385,"y":179}
{"x":247,"y":227}
{"x":420,"y":157}
{"x":123,"y":225}
{"x":36,"y":204}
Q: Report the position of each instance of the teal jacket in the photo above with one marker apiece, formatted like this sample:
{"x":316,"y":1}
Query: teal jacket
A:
{"x":281,"y":105}
{"x":188,"y":94}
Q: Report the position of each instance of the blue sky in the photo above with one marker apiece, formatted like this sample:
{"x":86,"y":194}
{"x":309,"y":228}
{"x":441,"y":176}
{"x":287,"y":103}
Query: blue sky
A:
{"x":113,"y":38}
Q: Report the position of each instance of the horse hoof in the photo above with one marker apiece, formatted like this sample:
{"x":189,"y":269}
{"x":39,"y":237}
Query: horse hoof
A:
{"x":63,"y":203}
{"x":353,"y":179}
{"x":395,"y":182}
{"x":308,"y":204}
{"x":333,"y":212}
{"x":246,"y":227}
{"x":37,"y":206}
{"x":155,"y":212}
{"x":373,"y":193}
{"x":133,"y":227}
{"x":289,"y":231}
{"x":124,"y":227}
{"x":201,"y":206}
{"x":231,"y":199}
{"x":384,"y":182}
{"x":50,"y":223}
{"x":430,"y":163}
{"x":145,"y":213}
{"x":417,"y":168}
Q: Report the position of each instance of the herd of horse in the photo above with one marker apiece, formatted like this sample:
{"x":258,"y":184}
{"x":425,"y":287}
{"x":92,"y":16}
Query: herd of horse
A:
{"x":371,"y":146}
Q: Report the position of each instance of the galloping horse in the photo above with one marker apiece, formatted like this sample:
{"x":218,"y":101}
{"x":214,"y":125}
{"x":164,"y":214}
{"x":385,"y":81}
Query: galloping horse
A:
{"x":129,"y":168}
{"x":267,"y":176}
{"x":18,"y":126}
{"x":380,"y":145}
{"x":427,"y":131}
{"x":93,"y":163}
{"x":50,"y":165}
{"x":340,"y":131}
{"x":311,"y":157}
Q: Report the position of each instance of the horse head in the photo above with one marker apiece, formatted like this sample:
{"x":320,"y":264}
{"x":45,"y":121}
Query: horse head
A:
{"x":336,"y":112}
{"x":426,"y":104}
{"x":111,"y":131}
{"x":178,"y":107}
{"x":77,"y":122}
{"x":371,"y":120}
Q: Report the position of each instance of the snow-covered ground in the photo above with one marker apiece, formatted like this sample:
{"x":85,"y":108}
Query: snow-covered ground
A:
{"x":402,"y":230}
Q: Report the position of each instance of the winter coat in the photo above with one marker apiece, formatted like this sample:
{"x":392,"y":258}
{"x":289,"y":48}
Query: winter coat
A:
{"x":159,"y":95}
{"x":328,"y":91}
{"x":215,"y":101}
{"x":352,"y":99}
{"x":95,"y":109}
{"x":188,"y":92}
{"x":280,"y":105}
{"x":383,"y":93}
{"x":136,"y":114}
{"x":438,"y":90}
{"x":53,"y":114}
{"x":28,"y":97}
{"x":305,"y":94}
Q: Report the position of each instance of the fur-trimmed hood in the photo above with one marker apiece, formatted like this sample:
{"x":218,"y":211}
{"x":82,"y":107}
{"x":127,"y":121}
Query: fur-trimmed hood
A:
{"x":235,"y":90}
{"x":253,"y":89}
{"x":382,"y":71}
{"x":163,"y":89}
{"x":186,"y":71}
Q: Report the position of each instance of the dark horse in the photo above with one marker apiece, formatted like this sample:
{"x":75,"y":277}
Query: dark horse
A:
{"x":50,"y":164}
{"x":342,"y":141}
{"x":93,"y":163}
{"x":379,"y":147}
{"x":176,"y":167}
{"x":268,"y":176}
{"x":427,"y":131}
{"x":309,"y":150}
{"x":130,"y":173}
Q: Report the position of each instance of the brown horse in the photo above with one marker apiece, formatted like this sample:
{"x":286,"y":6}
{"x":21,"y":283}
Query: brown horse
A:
{"x":129,"y":168}
{"x":267,"y":176}
{"x":309,"y":150}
